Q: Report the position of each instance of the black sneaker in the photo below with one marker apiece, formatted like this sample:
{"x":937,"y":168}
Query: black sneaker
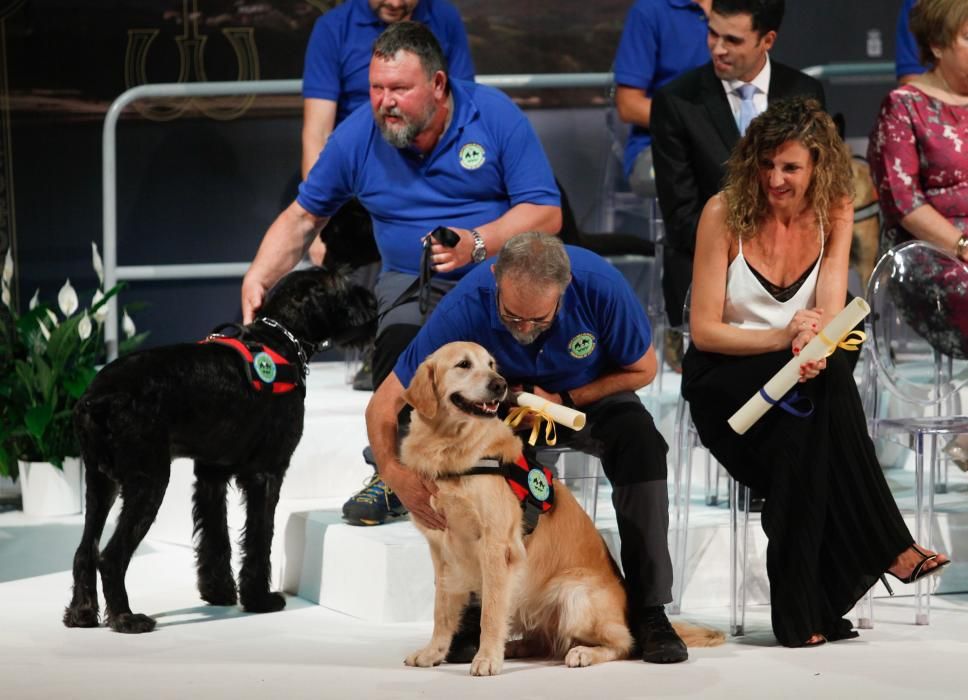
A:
{"x":374,"y":504}
{"x":658,"y":640}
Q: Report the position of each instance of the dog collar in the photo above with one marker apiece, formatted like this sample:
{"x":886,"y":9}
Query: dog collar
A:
{"x":532,"y":483}
{"x":265,"y":368}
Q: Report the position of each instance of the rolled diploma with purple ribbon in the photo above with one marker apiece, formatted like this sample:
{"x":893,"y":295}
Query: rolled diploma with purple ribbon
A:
{"x":821,"y":346}
{"x":562,"y":415}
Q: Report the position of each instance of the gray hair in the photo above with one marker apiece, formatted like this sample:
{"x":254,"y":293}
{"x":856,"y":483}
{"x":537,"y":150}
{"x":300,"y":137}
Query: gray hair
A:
{"x":535,"y":258}
{"x":415,"y":38}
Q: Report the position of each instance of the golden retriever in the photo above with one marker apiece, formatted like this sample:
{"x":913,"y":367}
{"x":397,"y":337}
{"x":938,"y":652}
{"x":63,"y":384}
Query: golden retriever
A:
{"x":557,"y":590}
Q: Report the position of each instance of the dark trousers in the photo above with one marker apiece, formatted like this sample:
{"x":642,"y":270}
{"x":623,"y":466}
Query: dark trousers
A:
{"x":622,"y":434}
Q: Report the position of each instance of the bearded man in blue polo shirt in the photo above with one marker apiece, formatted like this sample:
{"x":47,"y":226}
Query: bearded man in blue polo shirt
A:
{"x":561,"y":319}
{"x":427,"y":152}
{"x":336,"y":73}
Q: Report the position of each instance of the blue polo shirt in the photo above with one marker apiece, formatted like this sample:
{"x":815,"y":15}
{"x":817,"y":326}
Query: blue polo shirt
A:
{"x":488,"y":160}
{"x":661,"y":40}
{"x":600,"y":326}
{"x":907,"y":57}
{"x":337,"y":63}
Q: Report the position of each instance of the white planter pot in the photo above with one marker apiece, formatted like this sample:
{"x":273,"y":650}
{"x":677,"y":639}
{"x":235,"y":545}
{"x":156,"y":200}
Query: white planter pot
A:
{"x":48,"y":491}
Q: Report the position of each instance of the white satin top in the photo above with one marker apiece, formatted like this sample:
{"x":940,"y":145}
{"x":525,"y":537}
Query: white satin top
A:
{"x":750,"y":305}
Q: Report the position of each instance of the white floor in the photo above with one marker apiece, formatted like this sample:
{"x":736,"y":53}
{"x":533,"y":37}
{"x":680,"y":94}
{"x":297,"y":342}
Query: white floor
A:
{"x":307,"y":650}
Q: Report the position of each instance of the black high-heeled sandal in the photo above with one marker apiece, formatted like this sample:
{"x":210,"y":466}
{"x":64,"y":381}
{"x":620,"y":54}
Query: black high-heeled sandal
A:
{"x":918,"y":572}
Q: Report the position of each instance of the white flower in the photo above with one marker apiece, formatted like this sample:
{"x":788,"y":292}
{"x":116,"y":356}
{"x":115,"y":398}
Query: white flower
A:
{"x":127,"y":325}
{"x":98,"y":264}
{"x":102,"y":312}
{"x":34,"y":300}
{"x":67,"y":299}
{"x":5,"y":294}
{"x":43,"y":329}
{"x":8,"y":267}
{"x":53,"y":318}
{"x":84,"y":327}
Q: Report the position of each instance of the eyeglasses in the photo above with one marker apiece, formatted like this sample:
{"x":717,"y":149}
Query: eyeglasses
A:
{"x":541,"y":322}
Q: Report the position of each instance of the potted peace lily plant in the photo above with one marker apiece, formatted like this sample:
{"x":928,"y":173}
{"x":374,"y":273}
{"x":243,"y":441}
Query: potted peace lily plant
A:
{"x":47,"y":360}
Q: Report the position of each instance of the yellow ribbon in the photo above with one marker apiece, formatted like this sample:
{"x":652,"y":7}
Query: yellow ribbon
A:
{"x":517,"y":414}
{"x":850,"y":341}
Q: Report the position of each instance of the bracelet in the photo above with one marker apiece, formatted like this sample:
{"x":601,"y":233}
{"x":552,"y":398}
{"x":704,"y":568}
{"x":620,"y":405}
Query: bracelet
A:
{"x":961,"y":246}
{"x":566,"y":399}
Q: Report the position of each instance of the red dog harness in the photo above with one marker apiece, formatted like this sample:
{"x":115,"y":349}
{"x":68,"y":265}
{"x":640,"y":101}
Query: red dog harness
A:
{"x":264,"y":367}
{"x":532,"y":483}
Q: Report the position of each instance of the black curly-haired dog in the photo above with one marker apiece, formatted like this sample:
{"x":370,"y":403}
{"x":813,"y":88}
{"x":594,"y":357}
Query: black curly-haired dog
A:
{"x":237,"y":411}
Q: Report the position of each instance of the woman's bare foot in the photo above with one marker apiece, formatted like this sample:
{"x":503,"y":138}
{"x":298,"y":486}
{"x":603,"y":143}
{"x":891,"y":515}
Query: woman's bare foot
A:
{"x":911,"y":558}
{"x":815,"y":640}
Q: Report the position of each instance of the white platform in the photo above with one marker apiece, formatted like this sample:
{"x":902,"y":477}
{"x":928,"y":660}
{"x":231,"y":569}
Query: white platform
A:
{"x":308,"y":651}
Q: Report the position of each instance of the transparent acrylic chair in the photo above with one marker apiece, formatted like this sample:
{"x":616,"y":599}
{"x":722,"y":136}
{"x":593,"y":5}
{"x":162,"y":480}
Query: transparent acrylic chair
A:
{"x":617,"y":198}
{"x":904,"y":305}
{"x":579,"y":471}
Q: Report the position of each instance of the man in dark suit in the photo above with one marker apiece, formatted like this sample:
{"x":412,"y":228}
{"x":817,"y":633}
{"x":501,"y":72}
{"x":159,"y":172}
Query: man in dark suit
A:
{"x":696,"y":121}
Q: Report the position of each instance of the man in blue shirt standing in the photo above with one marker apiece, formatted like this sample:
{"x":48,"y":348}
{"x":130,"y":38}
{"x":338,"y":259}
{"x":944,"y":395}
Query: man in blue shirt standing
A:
{"x":426,"y":152}
{"x":907,"y":62}
{"x":660,"y":40}
{"x":563,"y":322}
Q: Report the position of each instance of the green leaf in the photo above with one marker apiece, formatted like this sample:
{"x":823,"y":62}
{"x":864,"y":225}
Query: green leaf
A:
{"x":38,"y":418}
{"x":77,"y":383}
{"x":64,"y":343}
{"x":132,"y":343}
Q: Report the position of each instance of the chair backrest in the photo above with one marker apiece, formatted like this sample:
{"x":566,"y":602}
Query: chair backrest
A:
{"x":911,"y":338}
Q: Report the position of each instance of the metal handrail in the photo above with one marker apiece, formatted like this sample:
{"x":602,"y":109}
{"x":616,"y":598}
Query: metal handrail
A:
{"x":113,"y":272}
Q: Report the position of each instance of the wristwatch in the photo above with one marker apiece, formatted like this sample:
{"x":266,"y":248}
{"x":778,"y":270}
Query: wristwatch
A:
{"x":480,"y":251}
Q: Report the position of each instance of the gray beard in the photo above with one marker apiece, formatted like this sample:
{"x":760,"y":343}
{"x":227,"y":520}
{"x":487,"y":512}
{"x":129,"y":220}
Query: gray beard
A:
{"x":399,"y":138}
{"x":524,"y":338}
{"x":403,"y":136}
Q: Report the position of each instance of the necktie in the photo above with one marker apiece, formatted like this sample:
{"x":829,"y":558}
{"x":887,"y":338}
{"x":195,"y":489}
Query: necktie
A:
{"x":747,"y":110}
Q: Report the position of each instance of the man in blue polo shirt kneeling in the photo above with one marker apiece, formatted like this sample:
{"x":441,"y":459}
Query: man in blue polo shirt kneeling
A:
{"x":426,"y":152}
{"x":561,"y":319}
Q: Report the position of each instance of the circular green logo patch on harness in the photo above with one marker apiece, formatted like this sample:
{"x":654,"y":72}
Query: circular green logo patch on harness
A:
{"x":264,"y":367}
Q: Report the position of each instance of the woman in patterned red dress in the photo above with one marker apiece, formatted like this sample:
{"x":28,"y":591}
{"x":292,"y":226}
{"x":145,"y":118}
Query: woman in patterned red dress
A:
{"x":919,"y":159}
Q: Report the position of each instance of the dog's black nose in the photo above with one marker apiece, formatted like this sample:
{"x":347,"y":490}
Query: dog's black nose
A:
{"x":497,"y":386}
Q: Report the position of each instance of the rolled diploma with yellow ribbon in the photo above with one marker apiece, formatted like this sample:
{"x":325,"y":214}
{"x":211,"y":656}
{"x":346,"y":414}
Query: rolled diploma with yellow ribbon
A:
{"x":562,"y":415}
{"x":784,"y":380}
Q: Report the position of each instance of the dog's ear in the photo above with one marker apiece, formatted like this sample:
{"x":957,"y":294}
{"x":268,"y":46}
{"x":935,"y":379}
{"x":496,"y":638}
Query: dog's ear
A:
{"x":422,"y":392}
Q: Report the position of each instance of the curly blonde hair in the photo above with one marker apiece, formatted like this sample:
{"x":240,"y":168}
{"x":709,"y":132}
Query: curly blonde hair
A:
{"x":795,"y":119}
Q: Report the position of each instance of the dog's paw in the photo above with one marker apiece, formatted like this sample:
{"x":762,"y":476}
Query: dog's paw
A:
{"x":263,"y":603}
{"x":426,"y":657}
{"x":131,"y":623}
{"x":220,"y":594}
{"x":580,"y":656}
{"x":486,"y":665}
{"x":81,"y":616}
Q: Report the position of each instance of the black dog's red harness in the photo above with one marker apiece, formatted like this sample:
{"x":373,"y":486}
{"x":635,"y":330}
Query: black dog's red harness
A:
{"x":265,"y":368}
{"x":532,"y":483}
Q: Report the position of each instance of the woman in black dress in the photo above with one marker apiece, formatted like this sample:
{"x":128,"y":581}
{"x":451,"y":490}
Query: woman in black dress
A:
{"x":770,"y":271}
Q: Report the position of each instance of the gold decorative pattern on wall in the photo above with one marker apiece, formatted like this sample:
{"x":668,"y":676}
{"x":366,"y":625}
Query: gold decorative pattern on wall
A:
{"x":191,"y":68}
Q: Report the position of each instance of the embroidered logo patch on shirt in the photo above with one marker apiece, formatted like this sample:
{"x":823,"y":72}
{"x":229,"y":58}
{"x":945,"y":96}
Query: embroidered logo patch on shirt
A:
{"x":581,"y":345}
{"x":471,"y":156}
